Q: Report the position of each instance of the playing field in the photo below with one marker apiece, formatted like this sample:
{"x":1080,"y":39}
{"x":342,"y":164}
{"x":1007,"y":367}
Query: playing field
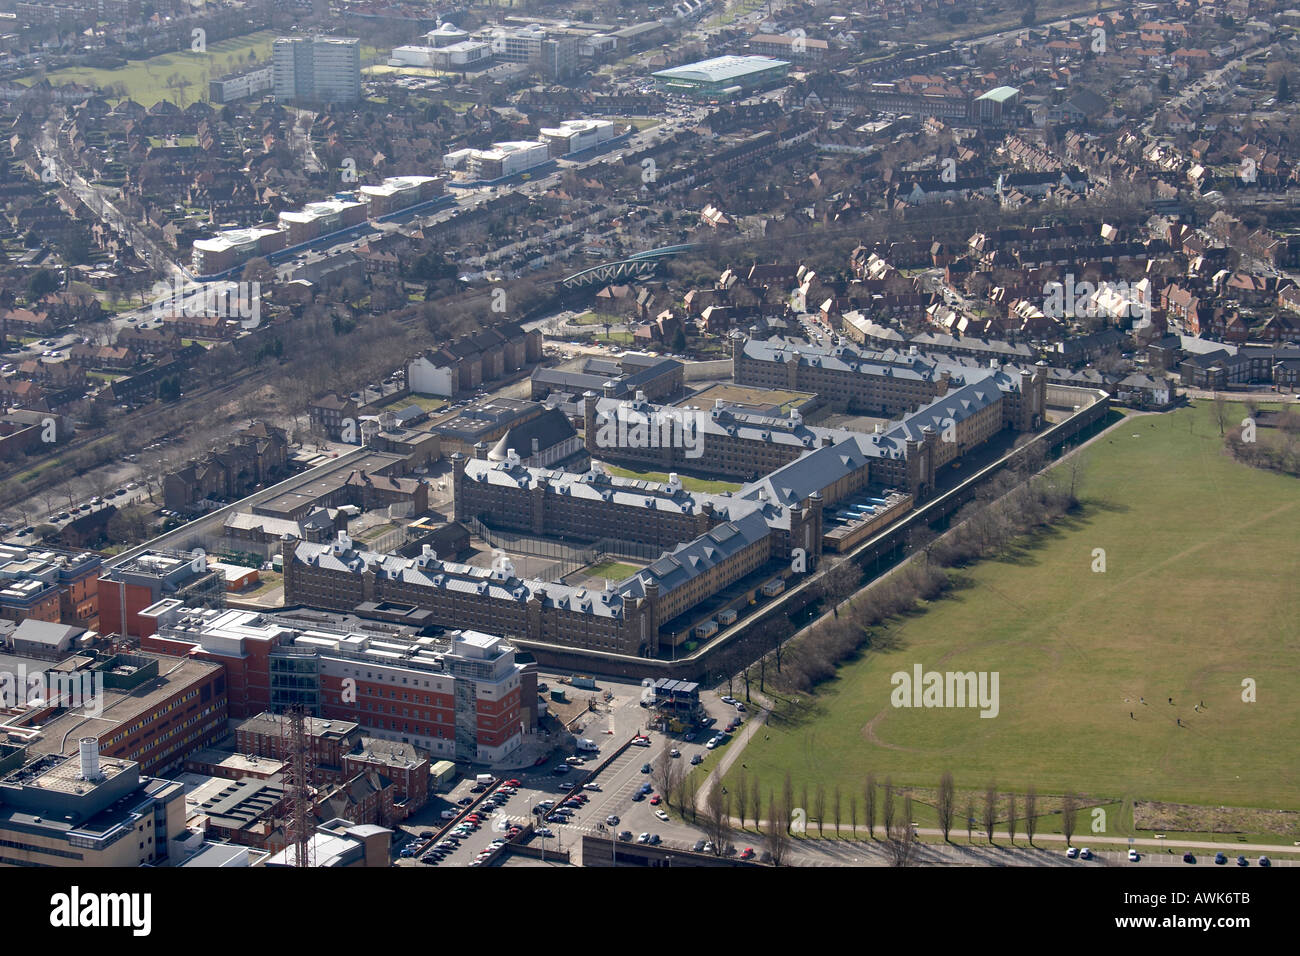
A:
{"x":147,"y":81}
{"x":1200,"y":592}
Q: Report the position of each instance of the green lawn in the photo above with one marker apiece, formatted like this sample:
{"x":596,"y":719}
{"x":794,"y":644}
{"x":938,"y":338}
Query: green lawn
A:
{"x":1199,"y":593}
{"x":690,"y":484}
{"x":614,"y":570}
{"x":146,"y":80}
{"x":427,"y":402}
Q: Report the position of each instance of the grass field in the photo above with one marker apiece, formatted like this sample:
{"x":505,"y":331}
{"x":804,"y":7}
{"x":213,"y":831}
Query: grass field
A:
{"x":614,"y":570}
{"x":1198,"y":594}
{"x":146,"y":80}
{"x":689,"y":483}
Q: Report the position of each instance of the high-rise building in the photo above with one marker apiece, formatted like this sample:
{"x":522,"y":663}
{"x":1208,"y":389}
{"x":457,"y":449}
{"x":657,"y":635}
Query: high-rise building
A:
{"x":319,"y":69}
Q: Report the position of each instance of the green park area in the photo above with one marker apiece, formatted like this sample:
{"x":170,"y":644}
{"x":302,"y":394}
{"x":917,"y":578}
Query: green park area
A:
{"x":181,"y":77}
{"x":1146,"y":650}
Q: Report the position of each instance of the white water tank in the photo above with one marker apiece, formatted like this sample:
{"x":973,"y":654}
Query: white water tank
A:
{"x":88,"y":747}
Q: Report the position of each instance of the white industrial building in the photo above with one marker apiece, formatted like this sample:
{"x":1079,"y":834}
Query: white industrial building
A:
{"x":573,"y":136}
{"x":455,"y":56}
{"x":501,"y":159}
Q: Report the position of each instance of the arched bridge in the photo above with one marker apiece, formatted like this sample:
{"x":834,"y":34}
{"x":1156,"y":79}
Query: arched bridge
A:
{"x":638,"y":266}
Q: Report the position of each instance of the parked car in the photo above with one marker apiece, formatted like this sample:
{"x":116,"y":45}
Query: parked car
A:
{"x":1072,"y":852}
{"x":611,"y":820}
{"x":1265,"y":861}
{"x":1220,"y":859}
{"x":1085,"y":854}
{"x":643,"y":838}
{"x":1188,"y":858}
{"x":747,"y":853}
{"x":1132,"y":855}
{"x":661,"y":815}
{"x":625,"y":835}
{"x":1242,"y":861}
{"x":696,"y":759}
{"x":645,"y":768}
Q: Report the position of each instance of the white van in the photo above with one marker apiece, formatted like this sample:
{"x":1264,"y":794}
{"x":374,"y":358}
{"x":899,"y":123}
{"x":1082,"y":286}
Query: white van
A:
{"x":484,"y":778}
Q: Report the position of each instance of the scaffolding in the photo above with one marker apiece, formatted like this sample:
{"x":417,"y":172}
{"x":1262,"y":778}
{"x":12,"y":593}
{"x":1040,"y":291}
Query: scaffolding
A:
{"x":300,"y":809}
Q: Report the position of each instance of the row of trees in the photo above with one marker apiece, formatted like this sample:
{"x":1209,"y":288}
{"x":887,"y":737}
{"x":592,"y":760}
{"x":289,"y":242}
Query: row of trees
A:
{"x":1006,"y":507}
{"x":883,"y":806}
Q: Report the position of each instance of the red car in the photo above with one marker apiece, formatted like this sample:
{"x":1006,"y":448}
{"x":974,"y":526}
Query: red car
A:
{"x":747,"y":853}
{"x":512,"y":783}
{"x":654,"y":801}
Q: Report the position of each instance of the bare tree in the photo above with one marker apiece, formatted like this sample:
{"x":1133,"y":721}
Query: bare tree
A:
{"x":836,"y":805}
{"x":690,"y":792}
{"x":50,"y":494}
{"x":970,"y":819}
{"x":869,"y":804}
{"x":1220,"y":412}
{"x":787,"y":797}
{"x":756,"y":799}
{"x":100,"y":481}
{"x":715,"y":818}
{"x":944,"y":804}
{"x":665,"y":775}
{"x":1011,"y":817}
{"x":990,"y":809}
{"x":778,"y":837}
{"x":742,"y":796}
{"x":1031,"y":809}
{"x":901,"y":836}
{"x":1075,"y":470}
{"x":887,"y":817}
{"x":1069,"y":809}
{"x":819,"y":809}
{"x":853,"y":813}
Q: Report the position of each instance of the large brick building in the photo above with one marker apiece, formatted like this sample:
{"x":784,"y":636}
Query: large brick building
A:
{"x":257,"y":455}
{"x":453,"y":698}
{"x":885,"y":383}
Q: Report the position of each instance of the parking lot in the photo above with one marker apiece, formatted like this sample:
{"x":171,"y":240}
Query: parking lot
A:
{"x":612,"y":793}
